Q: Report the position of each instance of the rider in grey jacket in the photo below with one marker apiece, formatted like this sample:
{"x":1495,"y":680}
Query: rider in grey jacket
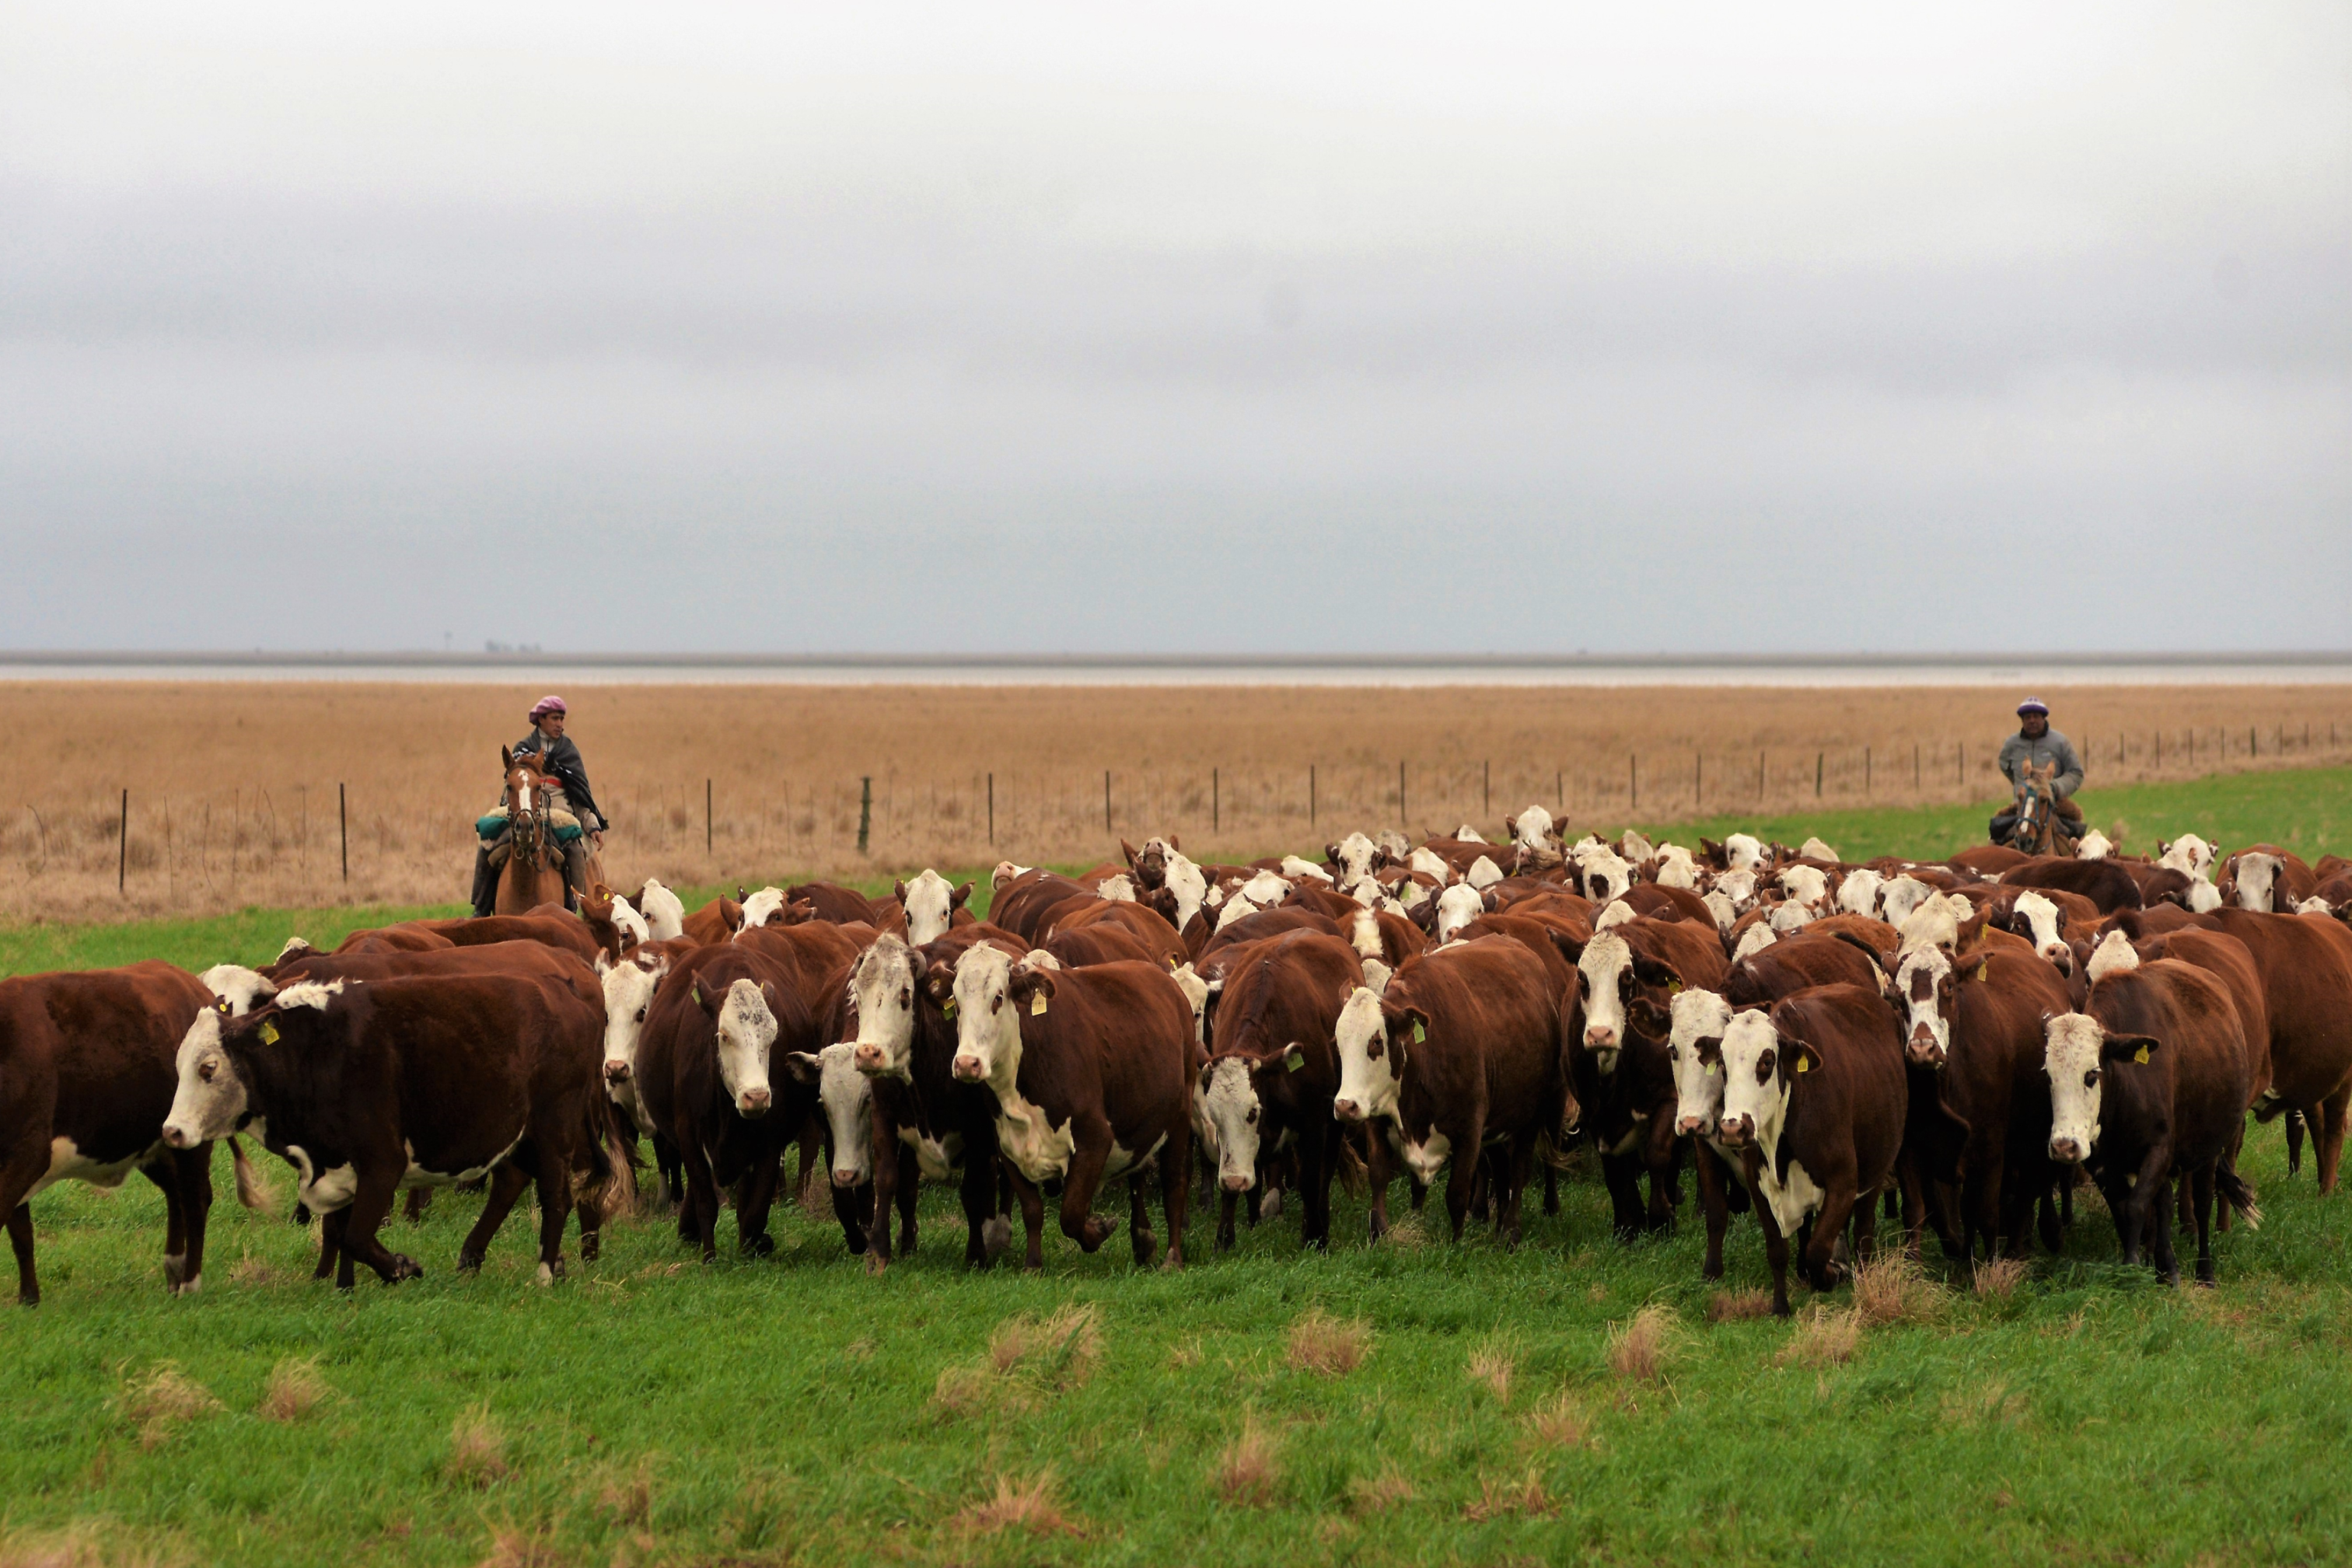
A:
{"x":2037,"y":745}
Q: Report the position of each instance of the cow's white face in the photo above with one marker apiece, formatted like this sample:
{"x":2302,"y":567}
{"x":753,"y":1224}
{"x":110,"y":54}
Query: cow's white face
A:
{"x":1725,"y":913}
{"x":1482,"y":873}
{"x":1429,"y":863}
{"x":1188,"y":884}
{"x":1355,"y":857}
{"x":631,"y":924}
{"x":1925,"y":981}
{"x":1814,"y":849}
{"x":1900,"y":896}
{"x":1298,"y":870}
{"x":2204,"y":898}
{"x":1612,"y":915}
{"x":1634,"y":847}
{"x":2095,"y":846}
{"x":929,"y":908}
{"x":1467,"y":835}
{"x":628,"y":992}
{"x":1229,"y":1103}
{"x":2073,"y":1046}
{"x":2188,"y":854}
{"x":665,"y":913}
{"x":1532,"y":828}
{"x":2041,"y":922}
{"x":1457,"y":906}
{"x":240,"y":988}
{"x":210,"y":1098}
{"x":1858,"y":894}
{"x":761,"y":907}
{"x":847,"y":1098}
{"x":1739,"y":886}
{"x":1676,"y":868}
{"x":1364,"y":935}
{"x":883,"y":983}
{"x":988,"y":1021}
{"x":1755,"y":1081}
{"x":1372,"y":1067}
{"x":1755,"y":939}
{"x":747,"y":1032}
{"x":1606,"y":967}
{"x":1790,"y":914}
{"x":1237,"y":907}
{"x":1934,"y":924}
{"x":2114,"y":954}
{"x":1742,"y":851}
{"x":1695,"y":1046}
{"x":1807,"y":884}
{"x":2258,"y":880}
{"x":1606,"y":877}
{"x":1196,"y":996}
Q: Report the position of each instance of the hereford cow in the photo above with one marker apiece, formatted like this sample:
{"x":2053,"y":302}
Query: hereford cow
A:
{"x":436,"y":1079}
{"x":86,"y":1076}
{"x":1093,"y":1073}
{"x":1461,"y":1049}
{"x":1813,"y":1104}
{"x":2152,"y":1083}
{"x":2267,"y":880}
{"x":1273,"y":1069}
{"x":2305,"y":963}
{"x":2104,"y":882}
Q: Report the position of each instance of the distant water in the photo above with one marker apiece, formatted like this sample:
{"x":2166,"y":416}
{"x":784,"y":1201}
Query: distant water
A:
{"x":1712,"y":670}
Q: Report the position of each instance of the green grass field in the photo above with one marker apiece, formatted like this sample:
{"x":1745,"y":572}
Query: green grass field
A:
{"x":796,"y":1409}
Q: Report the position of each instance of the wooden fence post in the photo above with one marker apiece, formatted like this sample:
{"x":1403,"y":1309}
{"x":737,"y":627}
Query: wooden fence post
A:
{"x":1310,"y":794}
{"x":343,"y":825}
{"x":865,"y":809}
{"x":123,"y":860}
{"x":706,"y":816}
{"x":1402,"y":819}
{"x":1819,"y":758}
{"x":992,"y":809}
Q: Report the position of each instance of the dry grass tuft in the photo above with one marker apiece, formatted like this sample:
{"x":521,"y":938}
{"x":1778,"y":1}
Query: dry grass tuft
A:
{"x":1379,"y":1493}
{"x":514,"y":1547}
{"x":1495,"y":1363}
{"x":1639,"y":1351}
{"x":1738,"y":1306}
{"x":478,"y":1449}
{"x":1015,"y":1506}
{"x":1893,"y":1288}
{"x":1329,"y":1346}
{"x":1497,"y":1498}
{"x":161,"y":1400}
{"x":1184,"y":1357}
{"x":1992,"y":1404}
{"x":1060,"y":1352}
{"x":1824,"y":1338}
{"x":1998,"y":1280}
{"x":296,"y":1389}
{"x":249,"y":1271}
{"x":970,"y":1388}
{"x":79,"y":1546}
{"x":1561,"y":1422}
{"x":1249,"y":1472}
{"x":627,"y":1496}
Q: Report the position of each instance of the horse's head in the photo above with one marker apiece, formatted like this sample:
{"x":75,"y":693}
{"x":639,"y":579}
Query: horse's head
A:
{"x":525,"y":785}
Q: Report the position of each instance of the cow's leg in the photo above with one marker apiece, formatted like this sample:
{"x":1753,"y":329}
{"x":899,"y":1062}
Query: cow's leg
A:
{"x":1865,"y":1226}
{"x":1776,"y":1255}
{"x":194,"y":1167}
{"x":2160,"y":1215}
{"x":1376,"y":1178}
{"x":1482,"y":1186}
{"x":985,"y":1234}
{"x":1621,"y":1174}
{"x":20,"y":1238}
{"x":1662,"y":1158}
{"x":2294,"y":1142}
{"x":1419,"y":1188}
{"x":371,"y":1205}
{"x":167,"y":1177}
{"x":1829,"y":1228}
{"x":1079,"y":1185}
{"x":754,"y":1196}
{"x":697,"y":1216}
{"x":1521,"y":1165}
{"x":1551,"y":1187}
{"x":886,"y":1144}
{"x":672,"y":1172}
{"x":1033,"y":1216}
{"x":330,"y":1241}
{"x":1174,"y":1192}
{"x":1716,"y":1208}
{"x":499,"y":1192}
{"x":2327,"y":1140}
{"x":1469,"y":1158}
{"x":1227,"y":1203}
{"x":413,"y":1207}
{"x":812,"y":1145}
{"x":1317,"y":1148}
{"x":911,"y":1186}
{"x":2201,"y":1184}
{"x":555,"y":1177}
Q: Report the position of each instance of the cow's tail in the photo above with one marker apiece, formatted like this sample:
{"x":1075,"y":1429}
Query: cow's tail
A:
{"x":611,"y":1181}
{"x":2239,"y":1193}
{"x":249,"y":1190}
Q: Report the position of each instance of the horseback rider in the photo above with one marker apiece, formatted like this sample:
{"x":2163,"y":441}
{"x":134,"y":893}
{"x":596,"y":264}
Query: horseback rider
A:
{"x":2036,"y":745}
{"x":558,"y":757}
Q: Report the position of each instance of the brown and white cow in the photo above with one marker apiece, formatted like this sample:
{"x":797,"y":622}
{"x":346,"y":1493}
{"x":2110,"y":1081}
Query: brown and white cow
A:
{"x":2305,"y":962}
{"x":1814,"y":1099}
{"x":2267,"y":880}
{"x":86,"y":1076}
{"x":1092,"y":1070}
{"x":438,"y":1079}
{"x":931,"y":906}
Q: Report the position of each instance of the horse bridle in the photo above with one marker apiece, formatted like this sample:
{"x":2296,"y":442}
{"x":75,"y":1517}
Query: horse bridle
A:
{"x":528,"y":838}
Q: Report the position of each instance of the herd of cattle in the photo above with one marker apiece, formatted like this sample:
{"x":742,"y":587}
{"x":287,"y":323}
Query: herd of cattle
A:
{"x":1958,"y":1041}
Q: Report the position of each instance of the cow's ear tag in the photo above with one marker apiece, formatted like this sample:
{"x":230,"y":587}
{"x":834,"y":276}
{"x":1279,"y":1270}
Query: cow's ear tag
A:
{"x":268,"y":1033}
{"x":1673,"y":988}
{"x":1984,"y":967}
{"x":1037,"y":1004}
{"x":1804,"y":1064}
{"x":1418,"y":1034}
{"x":2139,"y":1056}
{"x":947,"y":1009}
{"x":1714,"y":1068}
{"x":1293,"y":1062}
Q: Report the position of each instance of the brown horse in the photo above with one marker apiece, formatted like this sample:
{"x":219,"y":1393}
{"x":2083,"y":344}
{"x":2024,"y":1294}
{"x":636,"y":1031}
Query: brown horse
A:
{"x":2039,"y":829}
{"x":534,"y":873}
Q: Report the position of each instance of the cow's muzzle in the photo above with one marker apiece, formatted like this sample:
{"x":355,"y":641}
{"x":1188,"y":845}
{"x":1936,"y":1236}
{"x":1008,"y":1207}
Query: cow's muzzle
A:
{"x":177,"y":1137}
{"x":616,"y":1071}
{"x":845,"y":1178}
{"x":1690,"y":1127}
{"x":2066,"y":1151}
{"x":1240,"y":1181}
{"x":754,"y":1102}
{"x":1347,"y":1110}
{"x":1735,"y":1131}
{"x":866,"y":1059}
{"x":1923,"y":1048}
{"x":967,"y":1069}
{"x":1600,"y":1036}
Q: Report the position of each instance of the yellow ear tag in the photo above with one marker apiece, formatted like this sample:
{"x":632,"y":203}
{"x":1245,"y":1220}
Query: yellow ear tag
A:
{"x":2140,"y":1055}
{"x":1037,"y":1005}
{"x":948,"y":1010}
{"x":1804,"y":1065}
{"x":1984,"y":967}
{"x":1714,"y":1068}
{"x":268,"y":1033}
{"x":698,"y":993}
{"x":1673,"y":988}
{"x":1418,"y":1034}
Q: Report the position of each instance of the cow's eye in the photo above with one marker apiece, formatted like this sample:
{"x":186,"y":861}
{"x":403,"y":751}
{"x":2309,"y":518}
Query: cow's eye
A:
{"x":1673,"y":1053}
{"x":1764,"y":1065}
{"x":1250,"y":1118}
{"x":2091,"y":1079}
{"x":906,"y":999}
{"x":207,"y":1070}
{"x":641,"y":1015}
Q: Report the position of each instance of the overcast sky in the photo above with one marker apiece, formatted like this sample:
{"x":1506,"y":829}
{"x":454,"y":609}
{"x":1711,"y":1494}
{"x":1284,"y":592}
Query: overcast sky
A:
{"x":1107,"y":329}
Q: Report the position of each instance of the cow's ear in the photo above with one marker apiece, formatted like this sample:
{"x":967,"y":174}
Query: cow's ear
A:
{"x":1330,"y":855}
{"x":1488,"y":901}
{"x":1798,"y":1056}
{"x":804,"y":1068}
{"x":1293,"y":1056}
{"x":899,"y":891}
{"x":604,"y":965}
{"x":2129,"y":1046}
{"x":768,"y":995}
{"x":940,"y":980}
{"x":1028,"y":984}
{"x":956,"y":899}
{"x":1653,"y":972}
{"x":1174,"y":842}
{"x":1571,"y":947}
{"x":1650,"y":1018}
{"x":1129,"y":850}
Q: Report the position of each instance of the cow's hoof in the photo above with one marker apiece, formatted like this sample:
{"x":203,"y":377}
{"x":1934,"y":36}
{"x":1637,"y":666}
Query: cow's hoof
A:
{"x":1272,"y":1206}
{"x":28,"y":1297}
{"x":550,"y":1272}
{"x":761,"y":1245}
{"x":175,"y":1268}
{"x":1145,"y":1244}
{"x":470,"y":1262}
{"x":1174,"y":1262}
{"x":907,"y":1241}
{"x":1095,"y":1232}
{"x":404,"y":1267}
{"x":995,"y":1236}
{"x":876,"y":1263}
{"x":590,"y":1246}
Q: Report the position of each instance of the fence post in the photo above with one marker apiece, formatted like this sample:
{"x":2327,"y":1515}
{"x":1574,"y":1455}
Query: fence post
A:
{"x":1105,"y":799}
{"x":992,"y":809}
{"x":1819,"y":757}
{"x":122,"y":861}
{"x":343,"y":826}
{"x":1633,"y":783}
{"x":1310,"y":794}
{"x":1402,"y":818}
{"x":1216,"y":801}
{"x":1915,"y":764}
{"x":1865,"y":773}
{"x":1560,"y":790}
{"x":1487,"y":771}
{"x":865,"y":809}
{"x":1698,"y":778}
{"x":706,"y":816}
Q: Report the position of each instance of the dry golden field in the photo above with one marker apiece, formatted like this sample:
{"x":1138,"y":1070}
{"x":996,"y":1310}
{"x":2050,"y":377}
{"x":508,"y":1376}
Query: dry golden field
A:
{"x":234,"y":785}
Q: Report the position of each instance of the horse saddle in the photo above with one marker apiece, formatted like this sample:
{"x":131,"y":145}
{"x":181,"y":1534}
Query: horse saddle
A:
{"x":494,"y":825}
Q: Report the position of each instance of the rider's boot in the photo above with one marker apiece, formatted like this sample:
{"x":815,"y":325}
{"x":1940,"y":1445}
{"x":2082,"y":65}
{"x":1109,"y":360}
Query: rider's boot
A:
{"x":575,"y":873}
{"x":485,"y":884}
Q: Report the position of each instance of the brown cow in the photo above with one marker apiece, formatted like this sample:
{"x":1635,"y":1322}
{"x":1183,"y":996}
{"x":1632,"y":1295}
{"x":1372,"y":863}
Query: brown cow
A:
{"x":1271,"y":922}
{"x":1814,"y":1100}
{"x":1098,"y":944}
{"x":558,"y":930}
{"x":86,"y":1080}
{"x":1157,"y":936}
{"x":2152,"y":1082}
{"x":1807,"y":959}
{"x":1273,"y":1068}
{"x":1463,"y":1050}
{"x":436,"y":1079}
{"x":2103,"y":883}
{"x":840,"y":905}
{"x":2267,"y":880}
{"x":1021,"y":902}
{"x":714,"y":922}
{"x":1092,"y":1070}
{"x":2305,"y":961}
